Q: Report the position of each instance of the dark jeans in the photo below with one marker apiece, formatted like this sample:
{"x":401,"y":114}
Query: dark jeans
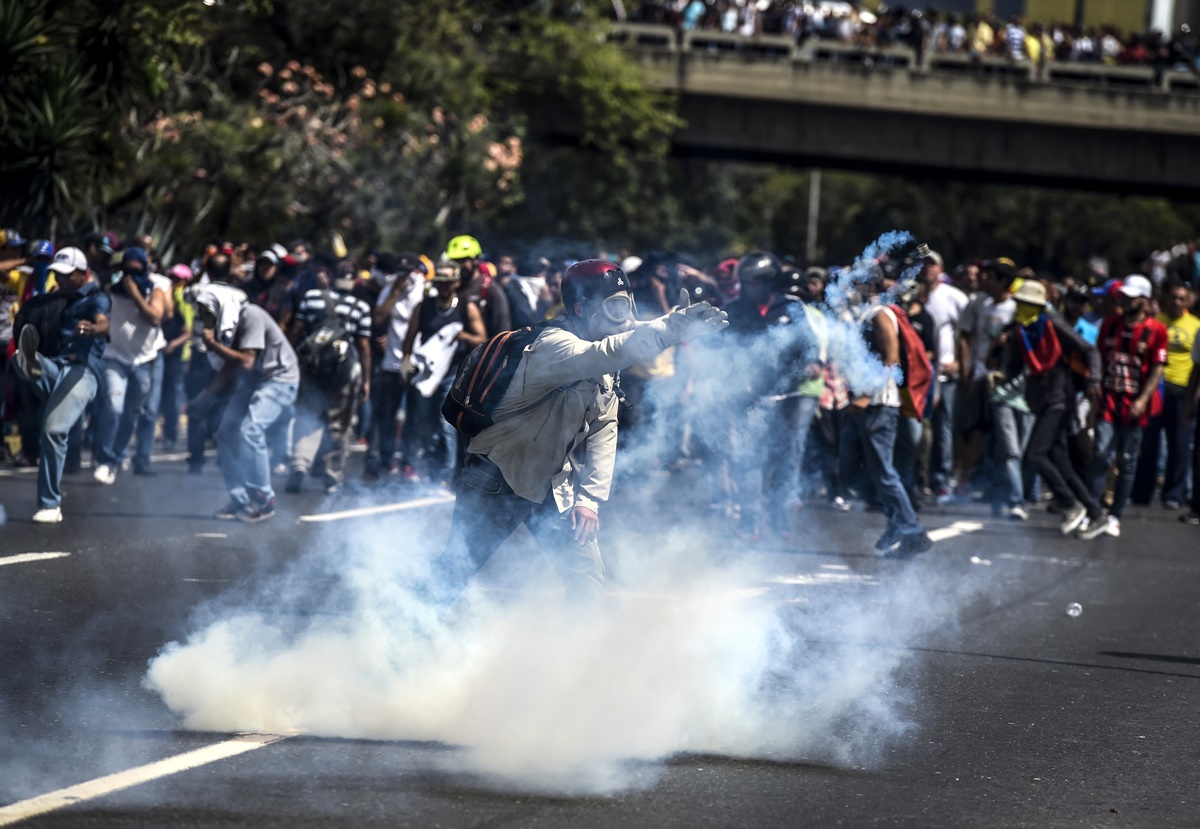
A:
{"x":1179,"y":436}
{"x":1122,"y":443}
{"x":173,"y":396}
{"x":1196,"y":467}
{"x":387,"y":393}
{"x":485,"y":514}
{"x":869,"y":442}
{"x":200,"y":428}
{"x":1047,"y":453}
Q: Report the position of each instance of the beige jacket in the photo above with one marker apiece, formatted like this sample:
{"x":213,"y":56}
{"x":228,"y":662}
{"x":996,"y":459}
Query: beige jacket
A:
{"x":557,"y":422}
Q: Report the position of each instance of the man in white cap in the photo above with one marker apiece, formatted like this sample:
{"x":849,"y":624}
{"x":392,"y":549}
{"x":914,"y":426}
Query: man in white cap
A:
{"x":66,"y":374}
{"x":1133,"y":353}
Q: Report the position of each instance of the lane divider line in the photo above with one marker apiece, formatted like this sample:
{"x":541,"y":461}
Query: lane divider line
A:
{"x":101,"y":786}
{"x":956,"y":529}
{"x":363,"y":512}
{"x":24,"y":558}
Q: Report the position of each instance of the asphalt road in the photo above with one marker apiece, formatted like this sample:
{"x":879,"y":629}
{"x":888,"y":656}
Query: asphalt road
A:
{"x":952,"y":690}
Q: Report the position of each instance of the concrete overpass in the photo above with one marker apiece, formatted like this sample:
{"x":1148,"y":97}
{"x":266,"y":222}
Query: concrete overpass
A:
{"x":1122,"y":129}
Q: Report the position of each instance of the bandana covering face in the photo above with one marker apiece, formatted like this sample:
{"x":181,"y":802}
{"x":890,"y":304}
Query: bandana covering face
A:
{"x":1041,"y":348}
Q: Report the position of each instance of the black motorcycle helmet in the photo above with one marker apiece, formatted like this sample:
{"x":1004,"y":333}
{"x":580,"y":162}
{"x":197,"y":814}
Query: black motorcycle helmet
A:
{"x":759,"y":266}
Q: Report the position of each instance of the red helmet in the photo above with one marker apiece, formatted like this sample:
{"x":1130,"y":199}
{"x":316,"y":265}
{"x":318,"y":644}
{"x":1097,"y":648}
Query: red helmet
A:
{"x":592,"y":279}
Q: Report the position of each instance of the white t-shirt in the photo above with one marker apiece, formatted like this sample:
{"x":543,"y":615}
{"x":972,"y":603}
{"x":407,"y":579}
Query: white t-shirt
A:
{"x":945,"y":306}
{"x":889,"y":393}
{"x":402,"y":311}
{"x":983,"y":319}
{"x":132,"y":340}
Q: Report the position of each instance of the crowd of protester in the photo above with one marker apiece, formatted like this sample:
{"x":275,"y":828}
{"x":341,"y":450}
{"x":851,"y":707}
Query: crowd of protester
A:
{"x":929,"y":31}
{"x":996,"y":383}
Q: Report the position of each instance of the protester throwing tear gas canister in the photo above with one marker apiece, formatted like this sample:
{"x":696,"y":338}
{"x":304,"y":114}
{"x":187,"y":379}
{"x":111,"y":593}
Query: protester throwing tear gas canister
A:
{"x":542,"y":453}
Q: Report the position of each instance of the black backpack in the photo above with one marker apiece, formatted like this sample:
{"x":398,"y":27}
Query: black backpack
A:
{"x":327,"y":354}
{"x":483,"y":378}
{"x":44,"y":312}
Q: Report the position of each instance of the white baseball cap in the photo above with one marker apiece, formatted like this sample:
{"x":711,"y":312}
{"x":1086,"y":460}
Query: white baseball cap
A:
{"x":69,"y":260}
{"x":1137,"y":286}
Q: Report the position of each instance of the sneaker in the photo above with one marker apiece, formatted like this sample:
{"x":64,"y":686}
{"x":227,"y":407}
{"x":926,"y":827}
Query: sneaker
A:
{"x":126,"y":464}
{"x":279,"y":469}
{"x":1172,"y":505}
{"x":943,"y":495}
{"x":840,"y":504}
{"x":1113,"y":527}
{"x":144,"y":470}
{"x":229,"y":511}
{"x":409,"y":474}
{"x":1073,"y":518}
{"x":47,"y":515}
{"x":105,"y":474}
{"x":1018,"y":513}
{"x":887,"y":540}
{"x":331,"y":487}
{"x":254,"y":512}
{"x":1094,"y":529}
{"x":1192,"y":518}
{"x":294,"y":483}
{"x":27,"y":360}
{"x":913,"y":543}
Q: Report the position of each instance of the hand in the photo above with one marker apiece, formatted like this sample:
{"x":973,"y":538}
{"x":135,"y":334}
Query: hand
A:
{"x":586,"y":524}
{"x":381,"y":342}
{"x":85,"y":328}
{"x":1094,"y":395}
{"x":364,"y":394}
{"x":171,"y":348}
{"x":129,"y":286}
{"x":951,"y":368}
{"x":209,"y":337}
{"x":407,"y":367}
{"x":688,"y":322}
{"x":1137,"y":409}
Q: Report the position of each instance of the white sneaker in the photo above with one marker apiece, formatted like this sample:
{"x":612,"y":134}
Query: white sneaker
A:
{"x":105,"y":474}
{"x":1089,"y":529}
{"x":1018,"y":513}
{"x":1113,"y":527}
{"x":48,"y":515}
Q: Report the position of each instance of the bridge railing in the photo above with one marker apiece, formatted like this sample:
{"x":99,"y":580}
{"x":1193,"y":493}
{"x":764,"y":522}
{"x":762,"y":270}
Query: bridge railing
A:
{"x":670,"y":40}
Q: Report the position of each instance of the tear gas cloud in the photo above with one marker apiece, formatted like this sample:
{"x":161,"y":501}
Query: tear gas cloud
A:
{"x":694,"y":651}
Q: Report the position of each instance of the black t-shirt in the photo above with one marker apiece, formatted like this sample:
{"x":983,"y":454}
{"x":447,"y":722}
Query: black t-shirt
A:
{"x":926,"y":328}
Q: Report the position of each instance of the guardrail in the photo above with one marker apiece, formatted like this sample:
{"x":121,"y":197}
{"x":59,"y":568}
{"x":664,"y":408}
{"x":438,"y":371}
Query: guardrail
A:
{"x":668,"y":39}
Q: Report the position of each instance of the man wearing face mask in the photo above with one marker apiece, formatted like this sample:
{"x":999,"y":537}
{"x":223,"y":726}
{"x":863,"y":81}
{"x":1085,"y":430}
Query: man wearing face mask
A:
{"x":132,"y":368}
{"x":1133,"y":354}
{"x":547,"y":460}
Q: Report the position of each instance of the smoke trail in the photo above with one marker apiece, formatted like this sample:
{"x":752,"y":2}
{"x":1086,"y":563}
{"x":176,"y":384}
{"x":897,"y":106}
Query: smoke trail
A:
{"x":697,"y":649}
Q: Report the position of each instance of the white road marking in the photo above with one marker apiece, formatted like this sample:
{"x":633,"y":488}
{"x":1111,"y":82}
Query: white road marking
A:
{"x":956,"y":529}
{"x":363,"y":512}
{"x":24,"y":558}
{"x":810,"y":579}
{"x":101,"y":786}
{"x":24,"y":470}
{"x":211,"y":535}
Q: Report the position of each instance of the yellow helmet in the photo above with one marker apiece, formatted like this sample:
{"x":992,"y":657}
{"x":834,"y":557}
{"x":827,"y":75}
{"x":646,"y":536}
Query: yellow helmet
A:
{"x":464,"y":247}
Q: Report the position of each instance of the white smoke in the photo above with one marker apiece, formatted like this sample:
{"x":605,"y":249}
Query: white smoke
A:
{"x":693,"y":651}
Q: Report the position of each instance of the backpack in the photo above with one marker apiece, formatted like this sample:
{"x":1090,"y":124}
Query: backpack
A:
{"x":44,"y":313}
{"x":327,"y":354}
{"x":914,"y":363}
{"x":483,"y":378}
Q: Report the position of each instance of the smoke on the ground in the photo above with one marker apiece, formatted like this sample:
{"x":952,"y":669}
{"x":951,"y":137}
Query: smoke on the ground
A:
{"x":699,"y":648}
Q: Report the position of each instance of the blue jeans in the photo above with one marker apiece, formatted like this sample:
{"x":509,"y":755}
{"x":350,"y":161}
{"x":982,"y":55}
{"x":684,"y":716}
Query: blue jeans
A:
{"x":1122,"y":441}
{"x":768,"y":460}
{"x":66,"y":389}
{"x":130,"y":404}
{"x":869,"y":439}
{"x":242,"y":450}
{"x":943,"y":436}
{"x":908,"y":445}
{"x":1012,"y":430}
